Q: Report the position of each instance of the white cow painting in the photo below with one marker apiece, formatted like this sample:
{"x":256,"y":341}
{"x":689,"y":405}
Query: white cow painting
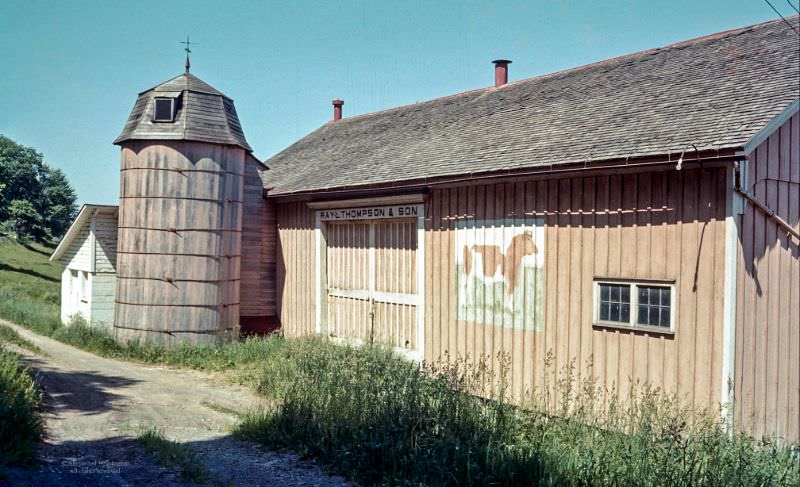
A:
{"x":500,"y":272}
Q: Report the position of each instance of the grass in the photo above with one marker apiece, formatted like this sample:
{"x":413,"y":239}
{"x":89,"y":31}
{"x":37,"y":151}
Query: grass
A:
{"x":172,"y":454}
{"x":30,"y":289}
{"x":382,"y":420}
{"x":9,"y":335}
{"x":20,"y":423}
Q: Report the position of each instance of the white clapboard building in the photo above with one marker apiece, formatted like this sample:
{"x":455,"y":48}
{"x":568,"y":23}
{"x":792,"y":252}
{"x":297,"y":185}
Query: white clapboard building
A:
{"x":88,"y":253}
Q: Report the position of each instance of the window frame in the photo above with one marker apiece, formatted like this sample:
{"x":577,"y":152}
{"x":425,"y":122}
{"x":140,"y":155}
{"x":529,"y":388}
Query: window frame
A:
{"x":632,"y":323}
{"x":171,"y":111}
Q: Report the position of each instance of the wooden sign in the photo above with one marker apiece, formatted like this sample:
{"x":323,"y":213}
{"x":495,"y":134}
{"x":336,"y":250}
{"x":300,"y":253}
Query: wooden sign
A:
{"x":371,"y":213}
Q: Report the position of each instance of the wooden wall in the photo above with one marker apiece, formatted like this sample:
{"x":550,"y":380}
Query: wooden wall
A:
{"x":102,"y":302}
{"x":661,"y":225}
{"x":258,"y":247}
{"x":79,"y":255}
{"x":104,"y":225}
{"x":178,"y":258}
{"x":296,"y":272}
{"x":75,"y":295}
{"x":767,"y":358}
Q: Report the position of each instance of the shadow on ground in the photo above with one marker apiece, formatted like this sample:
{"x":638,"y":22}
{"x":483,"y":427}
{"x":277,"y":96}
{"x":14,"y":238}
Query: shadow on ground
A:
{"x":93,"y":396}
{"x":123,"y":461}
{"x":11,"y":268}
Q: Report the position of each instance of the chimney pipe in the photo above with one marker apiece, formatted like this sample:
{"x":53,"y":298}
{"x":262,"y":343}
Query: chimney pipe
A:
{"x":337,"y":109}
{"x":501,"y":71}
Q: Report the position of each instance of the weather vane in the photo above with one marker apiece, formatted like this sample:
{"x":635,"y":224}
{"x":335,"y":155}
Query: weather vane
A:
{"x":188,"y":50}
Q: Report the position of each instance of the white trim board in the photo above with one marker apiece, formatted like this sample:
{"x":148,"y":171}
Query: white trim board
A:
{"x":771,"y":127}
{"x":733,"y":208}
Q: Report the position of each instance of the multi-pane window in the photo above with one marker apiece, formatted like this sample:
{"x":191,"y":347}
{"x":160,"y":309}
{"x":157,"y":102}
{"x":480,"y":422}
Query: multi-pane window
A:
{"x":615,"y":302}
{"x":634,"y":304}
{"x":654,"y":303}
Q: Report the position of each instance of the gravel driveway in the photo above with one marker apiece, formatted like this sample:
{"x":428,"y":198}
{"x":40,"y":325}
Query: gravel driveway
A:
{"x":94,"y":406}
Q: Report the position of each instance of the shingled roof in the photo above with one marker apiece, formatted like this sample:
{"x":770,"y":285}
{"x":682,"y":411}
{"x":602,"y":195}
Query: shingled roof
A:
{"x":204,"y":114}
{"x":713,"y":92}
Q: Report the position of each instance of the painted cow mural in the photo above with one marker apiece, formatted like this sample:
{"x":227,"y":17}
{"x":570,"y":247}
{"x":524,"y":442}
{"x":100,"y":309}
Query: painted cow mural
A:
{"x":500,"y":273}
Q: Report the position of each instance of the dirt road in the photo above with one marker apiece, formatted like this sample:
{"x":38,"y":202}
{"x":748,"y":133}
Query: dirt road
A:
{"x":93,"y":408}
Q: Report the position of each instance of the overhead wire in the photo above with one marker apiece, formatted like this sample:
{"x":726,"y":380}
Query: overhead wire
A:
{"x":781,"y":15}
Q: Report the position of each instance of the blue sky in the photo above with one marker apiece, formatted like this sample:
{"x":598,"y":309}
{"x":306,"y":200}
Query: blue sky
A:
{"x":71,"y":69}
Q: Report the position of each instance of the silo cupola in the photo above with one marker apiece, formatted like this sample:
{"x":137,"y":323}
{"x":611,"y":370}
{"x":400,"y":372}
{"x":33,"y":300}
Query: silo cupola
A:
{"x":195,"y":111}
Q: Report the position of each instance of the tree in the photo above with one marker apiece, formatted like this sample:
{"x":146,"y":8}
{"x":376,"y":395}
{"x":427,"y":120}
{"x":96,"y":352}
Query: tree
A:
{"x":36,"y":200}
{"x":57,"y":206}
{"x":23,"y":219}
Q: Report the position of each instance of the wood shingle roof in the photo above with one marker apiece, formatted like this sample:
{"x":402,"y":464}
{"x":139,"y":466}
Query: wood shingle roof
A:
{"x":203,"y":114}
{"x":711,"y":93}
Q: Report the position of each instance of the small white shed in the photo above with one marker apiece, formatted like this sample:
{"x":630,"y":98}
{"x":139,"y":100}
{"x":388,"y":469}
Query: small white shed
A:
{"x":88,"y":253}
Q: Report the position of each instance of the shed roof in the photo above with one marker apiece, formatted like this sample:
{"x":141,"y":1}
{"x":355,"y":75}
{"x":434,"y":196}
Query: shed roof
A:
{"x":85,"y":215}
{"x":714,"y":92}
{"x":203,"y":114}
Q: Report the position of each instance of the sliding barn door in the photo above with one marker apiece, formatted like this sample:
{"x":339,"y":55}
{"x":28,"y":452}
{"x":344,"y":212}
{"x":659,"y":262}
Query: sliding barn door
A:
{"x":371,"y":281}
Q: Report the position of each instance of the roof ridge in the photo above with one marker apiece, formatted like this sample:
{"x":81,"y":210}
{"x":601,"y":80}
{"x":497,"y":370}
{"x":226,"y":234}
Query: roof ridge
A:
{"x":651,"y":50}
{"x":206,"y":88}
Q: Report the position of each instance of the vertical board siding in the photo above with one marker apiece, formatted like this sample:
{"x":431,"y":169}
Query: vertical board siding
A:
{"x":664,"y":225}
{"x":179,"y":250}
{"x":296,"y":272}
{"x":258,"y":247}
{"x":370,"y":266}
{"x":347,"y":269}
{"x":767,"y":356}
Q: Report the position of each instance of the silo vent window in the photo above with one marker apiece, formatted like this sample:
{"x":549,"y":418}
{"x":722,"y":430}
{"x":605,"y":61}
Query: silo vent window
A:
{"x":164,"y":110}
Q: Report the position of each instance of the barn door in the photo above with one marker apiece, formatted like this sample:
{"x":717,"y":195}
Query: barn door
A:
{"x":371,"y":281}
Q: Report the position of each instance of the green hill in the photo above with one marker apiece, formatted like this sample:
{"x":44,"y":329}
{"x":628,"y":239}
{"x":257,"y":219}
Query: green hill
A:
{"x":30,"y":285}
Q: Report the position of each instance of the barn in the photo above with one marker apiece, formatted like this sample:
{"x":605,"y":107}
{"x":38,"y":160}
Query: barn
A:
{"x":639,"y":217}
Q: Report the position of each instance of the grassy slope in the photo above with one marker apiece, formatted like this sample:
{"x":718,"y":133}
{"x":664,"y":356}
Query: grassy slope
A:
{"x":30,"y":286}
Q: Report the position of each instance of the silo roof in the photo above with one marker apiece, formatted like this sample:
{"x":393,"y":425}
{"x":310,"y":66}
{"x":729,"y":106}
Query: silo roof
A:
{"x":201,"y":113}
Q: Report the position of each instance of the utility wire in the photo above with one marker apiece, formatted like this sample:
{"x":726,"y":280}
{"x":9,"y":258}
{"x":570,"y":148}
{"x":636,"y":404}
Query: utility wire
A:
{"x":781,"y":16}
{"x":793,"y":7}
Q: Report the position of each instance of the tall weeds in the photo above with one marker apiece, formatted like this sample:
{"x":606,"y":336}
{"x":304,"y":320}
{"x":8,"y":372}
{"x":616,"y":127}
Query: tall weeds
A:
{"x":20,"y":423}
{"x":383,"y":420}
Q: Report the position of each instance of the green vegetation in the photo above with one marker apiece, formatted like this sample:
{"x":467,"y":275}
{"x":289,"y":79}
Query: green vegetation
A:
{"x":20,"y":423}
{"x":36,"y":200}
{"x":30,"y":286}
{"x":172,"y":454}
{"x":381,"y":419}
{"x":10,"y":336}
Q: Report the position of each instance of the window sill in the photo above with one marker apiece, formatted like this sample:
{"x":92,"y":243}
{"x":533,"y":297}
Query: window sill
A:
{"x":634,"y":328}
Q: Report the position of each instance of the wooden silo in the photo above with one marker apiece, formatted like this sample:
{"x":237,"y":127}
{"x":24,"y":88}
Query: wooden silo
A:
{"x":180,"y":217}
